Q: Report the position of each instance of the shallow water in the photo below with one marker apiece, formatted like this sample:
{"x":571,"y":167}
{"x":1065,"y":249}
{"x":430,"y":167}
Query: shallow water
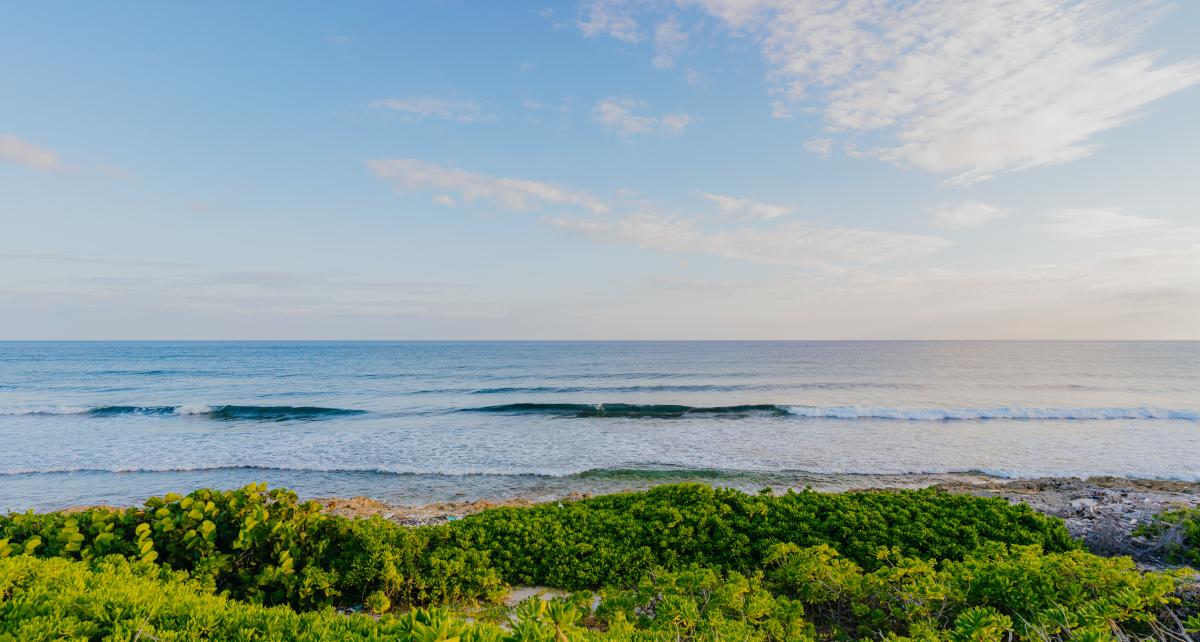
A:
{"x":418,"y":421}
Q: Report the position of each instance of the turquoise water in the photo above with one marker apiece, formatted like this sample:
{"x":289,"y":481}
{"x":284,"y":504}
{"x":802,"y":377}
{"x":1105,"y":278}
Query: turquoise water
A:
{"x":417,"y":421}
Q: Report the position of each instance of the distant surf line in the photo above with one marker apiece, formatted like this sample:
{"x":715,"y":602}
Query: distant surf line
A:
{"x":220,"y":412}
{"x":672,"y":411}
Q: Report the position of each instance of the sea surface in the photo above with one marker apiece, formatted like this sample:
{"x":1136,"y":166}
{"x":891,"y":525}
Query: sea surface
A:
{"x":414,"y":422}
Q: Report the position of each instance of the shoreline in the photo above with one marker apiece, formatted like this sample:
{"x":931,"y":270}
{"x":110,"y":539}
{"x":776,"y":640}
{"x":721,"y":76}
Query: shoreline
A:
{"x":55,"y":491}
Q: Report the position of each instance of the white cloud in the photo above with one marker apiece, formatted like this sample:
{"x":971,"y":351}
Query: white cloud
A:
{"x":820,"y":146}
{"x":745,"y":208}
{"x":794,"y":245}
{"x":969,"y":88}
{"x":695,"y":78}
{"x":407,"y":174}
{"x":22,"y":152}
{"x":1095,"y":223}
{"x":669,"y":42}
{"x":965,"y":214}
{"x":617,"y":115}
{"x":465,"y":111}
{"x":781,"y":110}
{"x":791,"y":245}
{"x":609,"y":17}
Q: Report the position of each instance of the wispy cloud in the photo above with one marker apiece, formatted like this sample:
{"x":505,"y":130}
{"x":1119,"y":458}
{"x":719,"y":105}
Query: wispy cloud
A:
{"x":965,"y":214}
{"x":745,"y":208}
{"x":795,"y":245}
{"x":22,"y":152}
{"x":466,"y":111}
{"x":406,"y":174}
{"x":619,"y":115}
{"x":670,"y":40}
{"x":1096,"y":223}
{"x":48,"y":257}
{"x":819,"y":146}
{"x":695,"y":78}
{"x":606,"y":17}
{"x":968,"y":88}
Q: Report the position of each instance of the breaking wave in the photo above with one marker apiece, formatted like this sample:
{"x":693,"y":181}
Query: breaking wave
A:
{"x":227,"y":413}
{"x":667,"y":411}
{"x":958,"y":414}
{"x":648,"y":473}
{"x":659,"y":411}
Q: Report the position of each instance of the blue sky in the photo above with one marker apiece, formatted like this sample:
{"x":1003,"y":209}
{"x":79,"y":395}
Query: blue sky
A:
{"x":604,"y":169}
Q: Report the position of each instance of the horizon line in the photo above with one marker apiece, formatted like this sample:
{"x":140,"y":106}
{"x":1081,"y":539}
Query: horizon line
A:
{"x":593,"y":340}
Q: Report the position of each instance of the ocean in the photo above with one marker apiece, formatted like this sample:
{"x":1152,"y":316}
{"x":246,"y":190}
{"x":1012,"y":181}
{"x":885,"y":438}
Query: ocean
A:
{"x":415,"y":422}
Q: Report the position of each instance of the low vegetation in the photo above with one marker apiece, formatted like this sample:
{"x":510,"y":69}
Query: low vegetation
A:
{"x":684,"y":562}
{"x":1176,"y":534}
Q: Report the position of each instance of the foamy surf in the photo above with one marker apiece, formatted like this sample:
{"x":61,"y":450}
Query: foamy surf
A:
{"x":225,"y":412}
{"x":670,"y":411}
{"x":1015,"y":413}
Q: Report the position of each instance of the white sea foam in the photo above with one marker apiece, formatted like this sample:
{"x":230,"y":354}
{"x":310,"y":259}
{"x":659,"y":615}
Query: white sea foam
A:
{"x":44,"y":410}
{"x":560,"y":473}
{"x":194,"y":409}
{"x":1021,"y":413}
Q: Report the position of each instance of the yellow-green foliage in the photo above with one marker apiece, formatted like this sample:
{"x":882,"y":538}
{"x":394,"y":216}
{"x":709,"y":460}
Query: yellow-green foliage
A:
{"x":56,"y":599}
{"x":266,"y":546}
{"x":676,"y":563}
{"x":991,"y":596}
{"x":813,"y":593}
{"x":1035,"y":594}
{"x":617,"y":538}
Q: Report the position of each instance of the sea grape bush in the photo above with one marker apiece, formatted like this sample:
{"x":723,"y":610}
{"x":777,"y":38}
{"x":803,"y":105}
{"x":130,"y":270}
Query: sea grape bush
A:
{"x":265,"y":546}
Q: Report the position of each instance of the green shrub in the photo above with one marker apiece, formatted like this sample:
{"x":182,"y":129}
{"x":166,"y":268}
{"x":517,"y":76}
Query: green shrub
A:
{"x":56,"y":599}
{"x":1040,"y":595}
{"x":267,"y":547}
{"x":700,"y":603}
{"x":677,"y":563}
{"x":617,"y":538}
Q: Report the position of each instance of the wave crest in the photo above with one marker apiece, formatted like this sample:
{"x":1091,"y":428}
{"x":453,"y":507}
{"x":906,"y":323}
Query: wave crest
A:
{"x":659,"y":411}
{"x":225,"y":412}
{"x":668,"y":411}
{"x":626,"y":473}
{"x":961,"y":414}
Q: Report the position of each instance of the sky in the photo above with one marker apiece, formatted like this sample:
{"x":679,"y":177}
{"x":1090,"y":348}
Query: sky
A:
{"x":604,"y":169}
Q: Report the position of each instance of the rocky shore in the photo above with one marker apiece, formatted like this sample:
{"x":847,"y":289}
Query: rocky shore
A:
{"x":1104,"y":512}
